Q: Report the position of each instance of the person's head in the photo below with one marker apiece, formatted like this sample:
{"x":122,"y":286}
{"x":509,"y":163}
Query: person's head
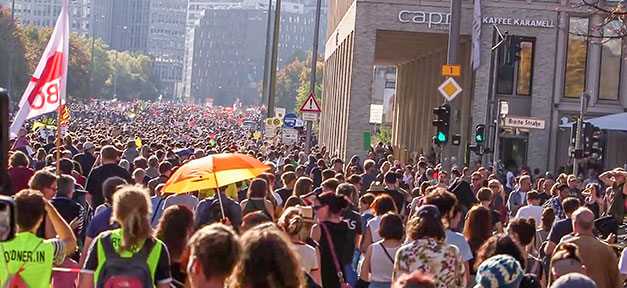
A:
{"x":416,"y":279}
{"x":499,"y":244}
{"x":426,"y":223}
{"x":391,"y":179}
{"x":548,"y":217}
{"x":125,"y":164}
{"x":366,"y":201}
{"x":66,"y":166}
{"x":291,"y":221}
{"x":132,"y":209}
{"x":338,"y":165}
{"x":258,"y":188}
{"x":45,"y":182}
{"x":19,"y":159}
{"x":330,"y":185}
{"x":548,"y":184}
{"x":30,"y":207}
{"x":525,"y":183}
{"x":174,"y":229}
{"x":140,"y":162}
{"x":383,"y":204}
{"x":495,"y":186}
{"x":476,"y":180}
{"x":254,"y":219}
{"x":563,"y":191}
{"x":444,"y":200}
{"x":499,"y":271}
{"x":570,"y":204}
{"x":478,"y":227}
{"x":138,"y":175}
{"x":165,"y":168}
{"x":329,"y":204}
{"x":391,"y":227}
{"x":289,"y":179}
{"x":356,"y":180}
{"x":533,"y":198}
{"x":484,"y":195}
{"x":153,"y":162}
{"x":211,"y":242}
{"x":65,"y":186}
{"x":370,"y":166}
{"x":303,"y":186}
{"x":328,"y":174}
{"x":349,"y":191}
{"x":583,"y":221}
{"x":574,"y":280}
{"x":571,"y":181}
{"x":566,"y":259}
{"x":530,"y":280}
{"x":109,"y":154}
{"x":110,"y":186}
{"x":522,"y":230}
{"x":258,"y":268}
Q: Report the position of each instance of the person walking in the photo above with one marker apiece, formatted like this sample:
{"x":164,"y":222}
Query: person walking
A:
{"x":378,"y":262}
{"x":144,"y":258}
{"x":211,"y":242}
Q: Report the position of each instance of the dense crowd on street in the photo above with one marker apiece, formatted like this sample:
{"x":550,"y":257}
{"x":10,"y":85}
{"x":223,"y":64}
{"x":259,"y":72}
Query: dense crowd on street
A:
{"x":314,"y":219}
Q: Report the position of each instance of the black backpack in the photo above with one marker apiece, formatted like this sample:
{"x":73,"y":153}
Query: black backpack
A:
{"x":210,"y":213}
{"x":118,"y":272}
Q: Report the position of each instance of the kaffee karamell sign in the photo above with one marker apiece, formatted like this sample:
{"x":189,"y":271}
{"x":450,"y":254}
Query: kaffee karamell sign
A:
{"x":435,"y":19}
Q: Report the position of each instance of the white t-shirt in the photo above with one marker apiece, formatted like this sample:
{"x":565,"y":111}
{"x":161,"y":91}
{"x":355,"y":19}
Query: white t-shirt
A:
{"x":374,"y":228}
{"x":306,"y":256}
{"x":531,"y":211}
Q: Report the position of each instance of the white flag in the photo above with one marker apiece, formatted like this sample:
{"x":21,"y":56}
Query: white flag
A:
{"x":475,"y":58}
{"x":46,"y":90}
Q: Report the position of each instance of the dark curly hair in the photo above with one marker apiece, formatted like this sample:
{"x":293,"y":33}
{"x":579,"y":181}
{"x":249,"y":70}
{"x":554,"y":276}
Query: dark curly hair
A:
{"x":499,"y":244}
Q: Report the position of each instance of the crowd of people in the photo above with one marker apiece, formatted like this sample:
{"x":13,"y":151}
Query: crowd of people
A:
{"x":312,"y":220}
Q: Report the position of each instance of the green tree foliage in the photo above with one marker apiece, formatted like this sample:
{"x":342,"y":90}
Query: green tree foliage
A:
{"x":292,"y":87}
{"x":20,"y":75}
{"x":135,"y":79}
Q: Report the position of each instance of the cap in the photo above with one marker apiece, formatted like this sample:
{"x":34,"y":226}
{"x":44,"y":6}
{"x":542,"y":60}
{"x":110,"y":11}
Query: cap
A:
{"x":88,"y":145}
{"x":574,"y":280}
{"x":500,"y":271}
{"x":376,"y":186}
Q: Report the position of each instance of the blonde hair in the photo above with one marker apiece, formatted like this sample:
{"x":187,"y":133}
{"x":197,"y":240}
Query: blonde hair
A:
{"x":132,"y":208}
{"x":291,"y":221}
{"x":500,"y":187}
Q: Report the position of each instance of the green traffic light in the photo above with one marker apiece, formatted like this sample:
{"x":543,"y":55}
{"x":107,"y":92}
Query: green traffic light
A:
{"x":479,"y":138}
{"x":441,"y":137}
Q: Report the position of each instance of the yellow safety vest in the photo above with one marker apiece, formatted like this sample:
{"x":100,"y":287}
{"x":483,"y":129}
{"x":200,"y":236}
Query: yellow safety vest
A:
{"x":37,"y":260}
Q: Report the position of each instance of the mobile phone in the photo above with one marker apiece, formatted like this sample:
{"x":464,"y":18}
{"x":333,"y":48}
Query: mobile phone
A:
{"x":7,"y":219}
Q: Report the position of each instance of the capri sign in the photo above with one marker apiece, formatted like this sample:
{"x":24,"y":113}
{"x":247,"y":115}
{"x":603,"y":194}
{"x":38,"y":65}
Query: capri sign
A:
{"x":424,"y":17}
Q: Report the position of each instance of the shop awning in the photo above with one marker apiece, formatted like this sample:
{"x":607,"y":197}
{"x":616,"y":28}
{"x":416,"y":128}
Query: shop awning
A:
{"x":617,"y":122}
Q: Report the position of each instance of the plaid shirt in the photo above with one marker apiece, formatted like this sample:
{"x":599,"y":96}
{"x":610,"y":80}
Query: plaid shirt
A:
{"x":556,"y":203}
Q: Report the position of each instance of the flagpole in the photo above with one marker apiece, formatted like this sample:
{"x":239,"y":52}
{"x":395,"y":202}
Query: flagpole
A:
{"x":58,"y":137}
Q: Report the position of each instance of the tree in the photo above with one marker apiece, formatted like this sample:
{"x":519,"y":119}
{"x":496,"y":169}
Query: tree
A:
{"x":292,"y":86}
{"x":303,"y":91}
{"x":20,"y":76}
{"x":134,"y":76}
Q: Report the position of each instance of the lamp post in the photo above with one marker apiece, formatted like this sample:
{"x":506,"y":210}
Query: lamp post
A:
{"x":115,"y":73}
{"x":91,"y":63}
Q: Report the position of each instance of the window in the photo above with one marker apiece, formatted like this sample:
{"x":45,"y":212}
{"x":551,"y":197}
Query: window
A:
{"x":576,"y":57}
{"x":517,"y":78}
{"x":610,"y":62}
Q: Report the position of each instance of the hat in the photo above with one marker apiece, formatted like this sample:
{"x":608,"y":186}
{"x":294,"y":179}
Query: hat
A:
{"x":574,"y":280}
{"x":500,"y":271}
{"x":376,"y":186}
{"x":88,"y":145}
{"x":428,"y":210}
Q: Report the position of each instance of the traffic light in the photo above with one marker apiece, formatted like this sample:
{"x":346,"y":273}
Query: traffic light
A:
{"x":513,"y":49}
{"x":480,"y":134}
{"x":591,"y":140}
{"x":572,"y":151}
{"x":443,"y":113}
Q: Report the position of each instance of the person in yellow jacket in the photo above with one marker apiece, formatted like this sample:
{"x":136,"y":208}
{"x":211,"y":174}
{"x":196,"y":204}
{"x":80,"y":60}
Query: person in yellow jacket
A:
{"x":32,"y":256}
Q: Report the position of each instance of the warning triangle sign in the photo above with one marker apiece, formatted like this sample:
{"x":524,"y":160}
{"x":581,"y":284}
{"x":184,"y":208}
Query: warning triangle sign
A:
{"x":310,"y":105}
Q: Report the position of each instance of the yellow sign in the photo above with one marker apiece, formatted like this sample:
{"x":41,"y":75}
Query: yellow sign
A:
{"x":451,"y":70}
{"x":256,"y":135}
{"x":276,"y":122}
{"x":449,"y":89}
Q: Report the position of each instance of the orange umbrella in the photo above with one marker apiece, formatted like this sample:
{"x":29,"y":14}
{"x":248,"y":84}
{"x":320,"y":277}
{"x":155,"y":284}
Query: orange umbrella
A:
{"x":214,"y":171}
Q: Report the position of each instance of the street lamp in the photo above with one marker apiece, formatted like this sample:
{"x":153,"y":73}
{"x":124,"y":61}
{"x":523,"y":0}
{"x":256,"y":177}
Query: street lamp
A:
{"x":115,"y":71}
{"x":91,"y":64}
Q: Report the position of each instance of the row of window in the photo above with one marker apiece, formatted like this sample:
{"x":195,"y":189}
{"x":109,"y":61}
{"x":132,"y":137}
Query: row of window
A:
{"x":517,"y":79}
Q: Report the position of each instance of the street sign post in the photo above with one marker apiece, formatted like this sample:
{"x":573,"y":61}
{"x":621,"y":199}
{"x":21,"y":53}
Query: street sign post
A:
{"x":289,"y":136}
{"x":310,"y":106}
{"x":449,"y":89}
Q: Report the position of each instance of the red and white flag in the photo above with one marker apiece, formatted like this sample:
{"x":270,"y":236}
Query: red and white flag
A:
{"x":46,"y":90}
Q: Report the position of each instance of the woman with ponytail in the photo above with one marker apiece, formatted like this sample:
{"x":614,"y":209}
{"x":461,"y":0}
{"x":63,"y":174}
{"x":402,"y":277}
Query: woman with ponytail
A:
{"x":133,"y":241}
{"x":523,"y":232}
{"x":334,"y":237}
{"x":292,"y":222}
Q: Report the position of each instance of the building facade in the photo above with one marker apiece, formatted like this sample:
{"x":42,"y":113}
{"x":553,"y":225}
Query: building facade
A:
{"x":557,"y":64}
{"x":226,"y":60}
{"x":44,"y":13}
